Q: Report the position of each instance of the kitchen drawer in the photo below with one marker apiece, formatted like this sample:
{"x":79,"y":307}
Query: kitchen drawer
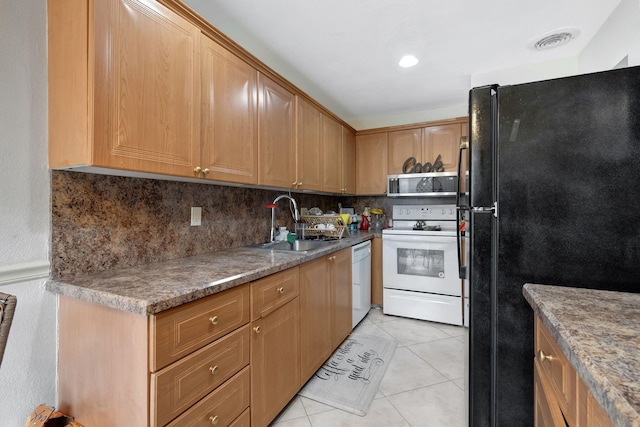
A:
{"x":177,"y":332}
{"x":221,"y":407}
{"x":555,"y":366}
{"x":178,"y":386}
{"x":273,"y":291}
{"x":243,"y":420}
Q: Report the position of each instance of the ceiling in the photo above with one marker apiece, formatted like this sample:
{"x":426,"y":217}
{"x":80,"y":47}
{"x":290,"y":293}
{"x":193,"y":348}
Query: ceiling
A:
{"x":345,"y":54}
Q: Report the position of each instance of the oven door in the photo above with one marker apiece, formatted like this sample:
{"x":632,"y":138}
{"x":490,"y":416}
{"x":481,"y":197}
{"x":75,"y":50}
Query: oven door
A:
{"x":422,"y":263}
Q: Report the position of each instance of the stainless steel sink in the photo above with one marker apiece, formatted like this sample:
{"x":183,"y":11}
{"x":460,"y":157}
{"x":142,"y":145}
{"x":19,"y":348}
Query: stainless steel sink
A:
{"x":297,"y":246}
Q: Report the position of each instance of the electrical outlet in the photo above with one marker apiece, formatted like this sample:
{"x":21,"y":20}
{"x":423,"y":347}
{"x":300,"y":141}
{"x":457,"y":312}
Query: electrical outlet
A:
{"x":196,"y":216}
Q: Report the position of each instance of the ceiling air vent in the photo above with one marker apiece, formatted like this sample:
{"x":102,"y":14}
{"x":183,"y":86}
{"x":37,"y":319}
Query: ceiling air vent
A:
{"x":556,"y":38}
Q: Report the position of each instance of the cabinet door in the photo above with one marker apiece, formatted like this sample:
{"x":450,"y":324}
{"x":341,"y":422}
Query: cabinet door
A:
{"x":376,"y":271}
{"x":147,"y":88}
{"x":371,"y":164}
{"x":547,"y":412}
{"x":444,"y":141}
{"x":276,"y":135}
{"x":275,"y":362}
{"x":341,"y":295}
{"x":402,"y":145}
{"x":309,"y":148}
{"x":315,"y":316}
{"x":229,"y":119}
{"x":348,"y":162}
{"x":331,"y":155}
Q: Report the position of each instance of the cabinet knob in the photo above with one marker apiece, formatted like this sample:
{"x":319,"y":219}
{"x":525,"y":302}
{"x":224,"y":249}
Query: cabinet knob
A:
{"x":214,"y":420}
{"x":213,"y":369}
{"x":197,"y":169}
{"x":281,"y":290}
{"x":257,"y":329}
{"x":293,"y":184}
{"x":543,"y":356}
{"x":213,"y":320}
{"x":205,"y":171}
{"x":331,"y":258}
{"x":300,"y":183}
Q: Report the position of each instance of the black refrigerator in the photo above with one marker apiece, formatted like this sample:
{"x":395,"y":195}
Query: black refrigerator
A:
{"x":552,"y":197}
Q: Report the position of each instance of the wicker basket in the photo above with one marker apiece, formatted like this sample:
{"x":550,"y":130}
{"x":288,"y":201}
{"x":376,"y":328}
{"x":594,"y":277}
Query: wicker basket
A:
{"x":317,"y":225}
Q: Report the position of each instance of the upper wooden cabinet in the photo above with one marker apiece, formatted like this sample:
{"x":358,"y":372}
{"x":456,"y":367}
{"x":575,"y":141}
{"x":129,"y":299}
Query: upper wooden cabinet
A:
{"x":441,"y":141}
{"x":338,"y":158}
{"x":276,"y":135}
{"x":403,"y":144}
{"x":348,"y":162}
{"x":309,"y":147}
{"x":229,"y":116}
{"x":425,"y":144}
{"x":371,"y":163}
{"x":331,"y":155}
{"x":124,"y":86}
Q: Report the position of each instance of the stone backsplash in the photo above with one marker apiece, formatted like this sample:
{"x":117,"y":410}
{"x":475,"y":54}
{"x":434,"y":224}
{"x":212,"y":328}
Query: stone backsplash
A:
{"x":102,"y":222}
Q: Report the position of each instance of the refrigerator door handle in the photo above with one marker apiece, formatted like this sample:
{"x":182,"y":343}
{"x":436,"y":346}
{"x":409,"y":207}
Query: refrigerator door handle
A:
{"x":460,"y":228}
{"x":464,"y":145}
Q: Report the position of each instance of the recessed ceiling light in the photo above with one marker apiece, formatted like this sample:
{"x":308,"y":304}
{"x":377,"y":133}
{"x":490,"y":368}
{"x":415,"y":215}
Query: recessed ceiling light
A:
{"x":555,"y":38}
{"x":408,"y":61}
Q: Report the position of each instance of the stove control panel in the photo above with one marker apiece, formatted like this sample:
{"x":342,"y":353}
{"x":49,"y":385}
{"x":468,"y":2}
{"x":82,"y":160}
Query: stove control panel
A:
{"x":424,"y":212}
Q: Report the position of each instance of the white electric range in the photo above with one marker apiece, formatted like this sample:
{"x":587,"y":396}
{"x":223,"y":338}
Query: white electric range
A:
{"x":420,"y":264}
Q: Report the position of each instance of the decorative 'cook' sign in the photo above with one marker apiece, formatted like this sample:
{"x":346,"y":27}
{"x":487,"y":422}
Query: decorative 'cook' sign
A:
{"x":411,"y":166}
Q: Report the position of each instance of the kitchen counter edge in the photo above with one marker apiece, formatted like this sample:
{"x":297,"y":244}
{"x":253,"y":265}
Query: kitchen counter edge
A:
{"x":151,"y":288}
{"x":595,"y":338}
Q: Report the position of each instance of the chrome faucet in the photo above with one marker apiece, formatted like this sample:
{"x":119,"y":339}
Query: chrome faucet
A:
{"x":294,"y":214}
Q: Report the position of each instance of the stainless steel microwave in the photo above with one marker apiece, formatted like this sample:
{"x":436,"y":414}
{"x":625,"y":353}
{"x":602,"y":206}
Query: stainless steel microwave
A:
{"x":430,"y":184}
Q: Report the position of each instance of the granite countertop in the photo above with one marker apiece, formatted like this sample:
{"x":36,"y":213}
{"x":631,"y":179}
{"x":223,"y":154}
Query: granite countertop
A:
{"x":599,"y":332}
{"x":152,"y":288}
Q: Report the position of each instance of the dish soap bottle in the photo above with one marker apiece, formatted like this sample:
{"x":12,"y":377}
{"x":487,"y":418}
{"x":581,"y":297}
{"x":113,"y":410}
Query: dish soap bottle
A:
{"x":364,"y":225}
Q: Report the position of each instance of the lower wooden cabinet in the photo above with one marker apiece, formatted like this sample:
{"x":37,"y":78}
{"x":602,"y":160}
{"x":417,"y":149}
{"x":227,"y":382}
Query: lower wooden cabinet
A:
{"x":234,"y":358}
{"x":376,"y":271}
{"x":325,"y":308}
{"x":315,"y":316}
{"x":275,"y":344}
{"x":561,"y":397}
{"x":341,"y":302}
{"x":114,"y":366}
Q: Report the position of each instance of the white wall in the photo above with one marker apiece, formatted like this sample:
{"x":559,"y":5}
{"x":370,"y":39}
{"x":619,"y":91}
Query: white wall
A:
{"x":618,"y":38}
{"x":28,"y":370}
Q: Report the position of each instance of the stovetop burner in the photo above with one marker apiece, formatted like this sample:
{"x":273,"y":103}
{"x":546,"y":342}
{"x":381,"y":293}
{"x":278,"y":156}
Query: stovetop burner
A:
{"x":418,"y":227}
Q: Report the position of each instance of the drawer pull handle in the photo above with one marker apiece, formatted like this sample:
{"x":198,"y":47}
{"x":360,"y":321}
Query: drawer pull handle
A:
{"x":257,"y":329}
{"x":214,"y":420}
{"x":281,"y":290}
{"x":543,"y":356}
{"x":213,"y":369}
{"x":213,"y":320}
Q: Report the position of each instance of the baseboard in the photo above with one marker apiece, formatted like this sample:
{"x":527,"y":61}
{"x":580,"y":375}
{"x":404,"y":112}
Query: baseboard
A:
{"x":24,"y":272}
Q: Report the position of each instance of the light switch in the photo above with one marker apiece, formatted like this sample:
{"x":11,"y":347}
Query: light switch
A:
{"x":196,"y":216}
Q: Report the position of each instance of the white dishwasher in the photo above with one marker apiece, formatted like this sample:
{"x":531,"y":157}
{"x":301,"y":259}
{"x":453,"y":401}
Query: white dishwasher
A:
{"x":361,"y":279}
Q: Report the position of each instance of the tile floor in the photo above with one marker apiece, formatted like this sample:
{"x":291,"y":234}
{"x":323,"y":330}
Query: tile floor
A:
{"x":423,"y":385}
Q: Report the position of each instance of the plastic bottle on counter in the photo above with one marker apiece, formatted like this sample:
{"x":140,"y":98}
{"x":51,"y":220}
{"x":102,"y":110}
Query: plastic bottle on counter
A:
{"x":364,"y":224}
